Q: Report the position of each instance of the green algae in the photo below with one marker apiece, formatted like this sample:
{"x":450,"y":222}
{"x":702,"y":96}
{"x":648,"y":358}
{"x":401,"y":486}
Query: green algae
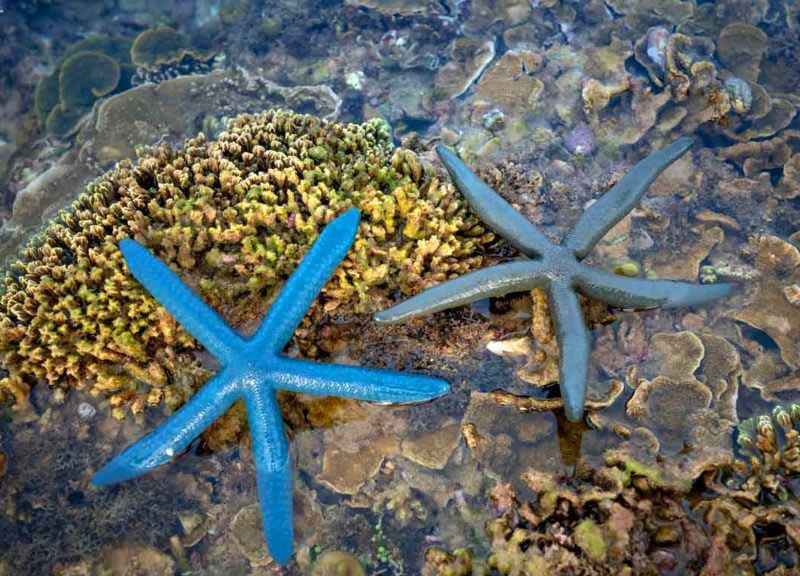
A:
{"x":590,"y":539}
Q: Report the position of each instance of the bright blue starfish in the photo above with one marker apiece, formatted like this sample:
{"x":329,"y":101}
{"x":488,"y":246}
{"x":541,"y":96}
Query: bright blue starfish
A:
{"x":253,"y":369}
{"x":558,"y":269}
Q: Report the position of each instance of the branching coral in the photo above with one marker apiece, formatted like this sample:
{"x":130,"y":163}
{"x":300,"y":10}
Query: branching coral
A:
{"x":767,"y":450}
{"x":233,"y":217}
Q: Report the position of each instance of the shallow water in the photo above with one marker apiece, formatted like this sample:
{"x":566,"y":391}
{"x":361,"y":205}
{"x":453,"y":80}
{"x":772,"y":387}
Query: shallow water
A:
{"x":551,"y":102}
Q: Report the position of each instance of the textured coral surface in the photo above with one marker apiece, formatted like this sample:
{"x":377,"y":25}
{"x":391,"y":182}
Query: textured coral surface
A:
{"x":233,"y":217}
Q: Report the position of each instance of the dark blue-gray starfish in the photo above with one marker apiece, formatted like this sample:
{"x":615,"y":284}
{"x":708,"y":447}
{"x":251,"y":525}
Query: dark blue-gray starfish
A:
{"x":253,"y":369}
{"x":557,"y":268}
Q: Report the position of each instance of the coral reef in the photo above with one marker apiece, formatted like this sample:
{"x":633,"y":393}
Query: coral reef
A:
{"x":503,"y":82}
{"x":73,"y":317}
{"x":771,"y":443}
{"x":620,"y":518}
{"x":158,"y":47}
{"x":678,"y":423}
{"x":337,"y":563}
{"x":772,"y":309}
{"x":101,"y":65}
{"x":90,"y":69}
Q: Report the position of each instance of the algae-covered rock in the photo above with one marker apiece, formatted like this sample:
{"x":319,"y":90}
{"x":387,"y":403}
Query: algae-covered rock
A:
{"x":433,"y":449}
{"x":233,"y":217}
{"x":346,"y":471}
{"x":741,"y":48}
{"x":596,"y":521}
{"x":248,"y":535}
{"x":590,"y":539}
{"x":508,"y":84}
{"x":468,"y":59}
{"x":337,"y":563}
{"x":133,"y":560}
{"x":768,"y":307}
{"x":439,"y":562}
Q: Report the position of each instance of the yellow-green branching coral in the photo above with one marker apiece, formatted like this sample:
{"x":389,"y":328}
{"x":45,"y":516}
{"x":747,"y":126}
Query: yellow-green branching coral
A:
{"x":233,"y":217}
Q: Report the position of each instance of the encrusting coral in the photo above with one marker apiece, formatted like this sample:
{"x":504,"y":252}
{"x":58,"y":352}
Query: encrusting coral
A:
{"x":99,"y":66}
{"x":623,"y":519}
{"x":233,"y":217}
{"x":92,"y":68}
{"x":159,"y":53}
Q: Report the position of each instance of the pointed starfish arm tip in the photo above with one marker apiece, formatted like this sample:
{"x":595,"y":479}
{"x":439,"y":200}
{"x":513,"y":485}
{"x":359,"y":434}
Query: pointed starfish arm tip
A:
{"x":275,"y":500}
{"x":273,"y":470}
{"x":615,"y":204}
{"x":118,"y":470}
{"x":495,"y":212}
{"x":640,"y":293}
{"x":498,"y":280}
{"x":173,"y":436}
{"x":356,"y":382}
{"x":687,"y":294}
{"x":305,"y":283}
{"x":574,"y":348}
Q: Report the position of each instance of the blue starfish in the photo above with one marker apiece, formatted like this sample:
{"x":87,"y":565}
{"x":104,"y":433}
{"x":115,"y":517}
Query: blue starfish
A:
{"x":253,"y":369}
{"x":557,"y":268}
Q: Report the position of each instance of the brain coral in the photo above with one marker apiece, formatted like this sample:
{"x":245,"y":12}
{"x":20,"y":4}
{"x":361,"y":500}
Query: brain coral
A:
{"x":232,"y":217}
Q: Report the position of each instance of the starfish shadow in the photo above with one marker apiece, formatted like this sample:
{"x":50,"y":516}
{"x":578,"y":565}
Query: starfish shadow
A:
{"x":557,"y":268}
{"x":253,"y":369}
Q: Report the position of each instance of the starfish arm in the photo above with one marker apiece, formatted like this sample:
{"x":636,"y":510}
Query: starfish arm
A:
{"x":638,"y":293}
{"x":610,"y":208}
{"x":273,"y":470}
{"x":355,"y":382}
{"x":573,"y":346}
{"x":495,"y":281}
{"x":185,"y":306}
{"x":174,"y":435}
{"x":303,"y":286}
{"x":493,"y":211}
